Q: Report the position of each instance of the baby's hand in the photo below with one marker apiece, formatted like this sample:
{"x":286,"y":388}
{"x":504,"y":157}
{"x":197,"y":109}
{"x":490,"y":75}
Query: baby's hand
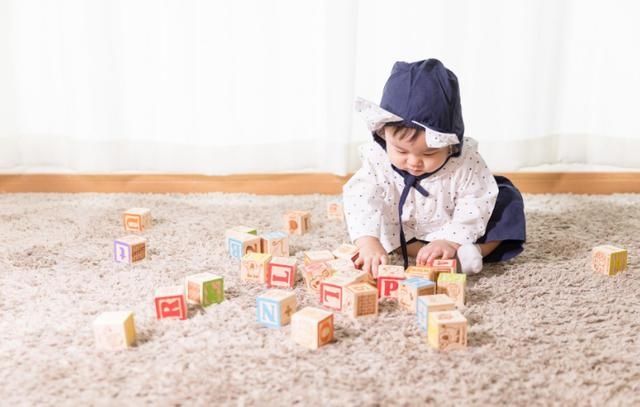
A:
{"x":371,"y":255}
{"x":438,"y":249}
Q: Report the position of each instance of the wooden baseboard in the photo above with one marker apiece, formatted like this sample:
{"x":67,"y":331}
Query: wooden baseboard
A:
{"x":296,"y":184}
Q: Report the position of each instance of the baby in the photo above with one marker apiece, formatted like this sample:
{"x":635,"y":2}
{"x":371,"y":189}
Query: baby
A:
{"x":423,"y":187}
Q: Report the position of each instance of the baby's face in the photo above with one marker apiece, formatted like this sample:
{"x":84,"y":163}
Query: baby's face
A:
{"x":414,"y":156}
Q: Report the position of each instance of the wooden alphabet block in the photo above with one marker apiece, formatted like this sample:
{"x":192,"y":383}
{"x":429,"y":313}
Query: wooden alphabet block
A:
{"x":281,"y":272}
{"x":361,"y":299}
{"x":334,"y":211}
{"x":275,"y":244}
{"x":347,"y":251}
{"x":332,"y":291}
{"x":136,"y":219}
{"x":274,"y":308}
{"x":312,"y":327}
{"x":240,"y":243}
{"x":129,"y":249}
{"x":453,"y":285}
{"x":609,"y":260}
{"x":447,"y":330}
{"x":410,"y":289}
{"x":114,"y":330}
{"x":313,"y":274}
{"x":297,"y":222}
{"x":245,"y":229}
{"x":317,"y":256}
{"x":358,"y":276}
{"x":389,"y":278}
{"x":425,"y":272}
{"x":340,"y":265}
{"x":204,"y":289}
{"x":254,"y":267}
{"x":170,"y":303}
{"x":445,"y":266}
{"x":431,"y":303}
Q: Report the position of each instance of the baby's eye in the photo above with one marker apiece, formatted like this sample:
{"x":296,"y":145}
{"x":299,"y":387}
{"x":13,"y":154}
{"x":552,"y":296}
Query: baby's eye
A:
{"x":430,"y":153}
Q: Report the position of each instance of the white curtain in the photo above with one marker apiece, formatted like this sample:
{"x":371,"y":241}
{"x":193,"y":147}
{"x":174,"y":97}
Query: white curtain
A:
{"x":242,"y":86}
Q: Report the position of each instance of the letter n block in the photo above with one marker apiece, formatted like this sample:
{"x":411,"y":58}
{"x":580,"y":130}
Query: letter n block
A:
{"x":361,"y":299}
{"x":129,"y":249}
{"x":204,"y":289}
{"x":281,"y":272}
{"x":240,"y":243}
{"x":389,"y":278}
{"x":170,"y":303}
{"x":447,"y":330}
{"x":114,"y":330}
{"x":431,"y":303}
{"x":453,"y":285}
{"x":313,"y":275}
{"x":253,"y":267}
{"x":312,"y":327}
{"x":410,"y":289}
{"x":275,"y":244}
{"x":297,"y":222}
{"x":275,"y":307}
{"x":609,"y":260}
{"x":136,"y":219}
{"x":332,"y":291}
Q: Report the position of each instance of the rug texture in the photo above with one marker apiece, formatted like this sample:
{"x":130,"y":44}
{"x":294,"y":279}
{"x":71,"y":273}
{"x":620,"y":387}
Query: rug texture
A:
{"x":544,"y":329}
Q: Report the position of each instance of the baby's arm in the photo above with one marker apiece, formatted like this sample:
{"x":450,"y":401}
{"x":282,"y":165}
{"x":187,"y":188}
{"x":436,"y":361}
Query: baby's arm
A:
{"x":371,"y":254}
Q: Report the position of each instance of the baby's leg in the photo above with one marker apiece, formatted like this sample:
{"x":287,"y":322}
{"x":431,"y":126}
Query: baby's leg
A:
{"x":414,"y":248}
{"x":470,"y":255}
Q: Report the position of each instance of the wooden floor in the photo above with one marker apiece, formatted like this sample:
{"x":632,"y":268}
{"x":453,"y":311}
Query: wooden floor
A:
{"x":282,"y":184}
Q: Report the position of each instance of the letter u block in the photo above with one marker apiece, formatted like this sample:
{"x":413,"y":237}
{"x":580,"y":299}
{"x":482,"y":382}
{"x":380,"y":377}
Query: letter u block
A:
{"x":297,"y":222}
{"x":410,"y":289}
{"x":431,"y":303}
{"x":281,"y":272}
{"x":275,"y":307}
{"x":312,"y":327}
{"x":204,"y":289}
{"x":447,"y":330}
{"x":453,"y":285}
{"x":136,"y":219}
{"x":361,"y":299}
{"x":170,"y":303}
{"x":253,"y":267}
{"x":609,"y":260}
{"x":129,"y":249}
{"x":114,"y":330}
{"x":275,"y":244}
{"x":389,"y":278}
{"x":240,"y":243}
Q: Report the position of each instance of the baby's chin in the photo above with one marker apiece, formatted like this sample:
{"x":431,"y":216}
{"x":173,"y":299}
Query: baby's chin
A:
{"x":415,"y":173}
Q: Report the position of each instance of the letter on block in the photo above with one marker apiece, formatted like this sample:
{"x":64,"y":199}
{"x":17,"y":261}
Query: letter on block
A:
{"x":389,"y":278}
{"x":410,"y":289}
{"x":317,"y":256}
{"x":425,"y":272}
{"x":609,"y":260}
{"x":313,"y":274}
{"x":453,"y":285}
{"x":275,"y":244}
{"x":334,"y":211}
{"x":170,"y":303}
{"x":129,"y":249}
{"x":240,"y":243}
{"x":312,"y":327}
{"x":281,"y":272}
{"x":447,"y":330}
{"x":445,"y":266}
{"x":275,"y":307}
{"x":254,"y":266}
{"x":297,"y":222}
{"x":431,"y":303}
{"x":204,"y":289}
{"x":346,"y":251}
{"x":360,"y":300}
{"x":114,"y":330}
{"x":340,"y":265}
{"x":332,"y":290}
{"x":136,"y":219}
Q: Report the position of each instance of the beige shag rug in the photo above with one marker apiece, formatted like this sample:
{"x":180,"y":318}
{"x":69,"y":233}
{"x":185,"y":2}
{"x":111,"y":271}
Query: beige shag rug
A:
{"x":544,"y":329}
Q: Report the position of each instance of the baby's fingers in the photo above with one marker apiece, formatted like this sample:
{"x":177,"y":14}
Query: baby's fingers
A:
{"x":435,"y":254}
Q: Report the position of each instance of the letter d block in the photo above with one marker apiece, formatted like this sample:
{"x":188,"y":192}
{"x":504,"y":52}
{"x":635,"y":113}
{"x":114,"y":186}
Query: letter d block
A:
{"x":129,"y":249}
{"x":275,"y":307}
{"x":410,"y":289}
{"x":204,"y":289}
{"x":447,"y":330}
{"x":389,"y":278}
{"x":114,"y":330}
{"x":431,"y":303}
{"x":312,"y":327}
{"x":170,"y":303}
{"x":281,"y":272}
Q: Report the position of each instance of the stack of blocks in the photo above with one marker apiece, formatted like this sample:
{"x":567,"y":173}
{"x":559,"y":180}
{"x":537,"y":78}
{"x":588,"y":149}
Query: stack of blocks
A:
{"x":431,"y":303}
{"x":275,"y":307}
{"x":608,"y":260}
